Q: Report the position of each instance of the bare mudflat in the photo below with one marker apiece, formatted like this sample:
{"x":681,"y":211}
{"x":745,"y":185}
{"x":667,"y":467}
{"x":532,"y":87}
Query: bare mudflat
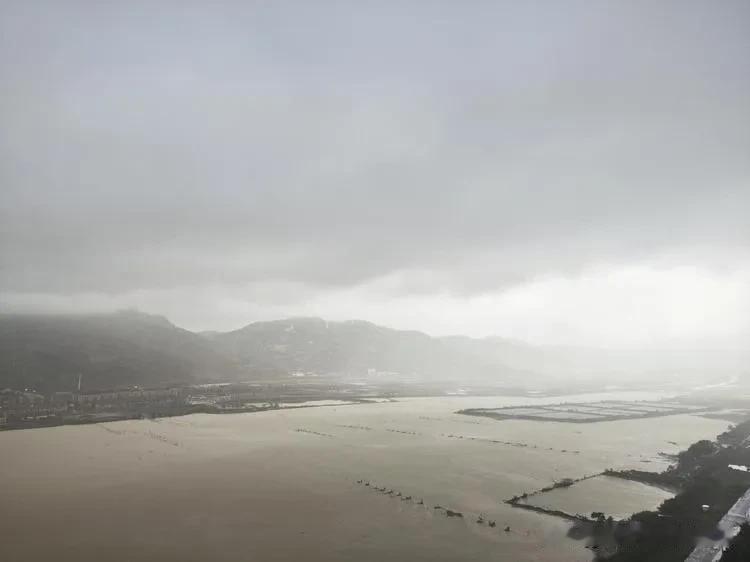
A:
{"x":285,"y":484}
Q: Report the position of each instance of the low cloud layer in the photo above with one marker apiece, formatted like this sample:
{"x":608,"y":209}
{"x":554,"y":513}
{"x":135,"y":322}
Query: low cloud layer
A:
{"x":372,"y":159}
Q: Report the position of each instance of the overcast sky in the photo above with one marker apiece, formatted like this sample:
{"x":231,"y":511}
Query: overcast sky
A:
{"x":560,"y":172}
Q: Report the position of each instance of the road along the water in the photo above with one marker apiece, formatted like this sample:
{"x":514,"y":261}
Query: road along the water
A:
{"x":729,"y":525}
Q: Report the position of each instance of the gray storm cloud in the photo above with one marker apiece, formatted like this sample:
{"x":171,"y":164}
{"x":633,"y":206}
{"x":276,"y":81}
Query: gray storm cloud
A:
{"x":154,"y":146}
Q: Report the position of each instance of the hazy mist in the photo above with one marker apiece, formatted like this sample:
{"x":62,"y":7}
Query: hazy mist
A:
{"x":567,"y":173}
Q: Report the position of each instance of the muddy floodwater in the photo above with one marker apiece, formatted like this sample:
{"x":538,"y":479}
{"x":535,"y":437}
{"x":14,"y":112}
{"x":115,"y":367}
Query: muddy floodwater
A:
{"x":283,"y":484}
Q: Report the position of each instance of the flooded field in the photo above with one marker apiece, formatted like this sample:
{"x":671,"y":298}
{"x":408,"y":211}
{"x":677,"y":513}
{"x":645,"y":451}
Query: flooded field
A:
{"x":588,"y":412}
{"x":291,"y":484}
{"x":613,"y":496}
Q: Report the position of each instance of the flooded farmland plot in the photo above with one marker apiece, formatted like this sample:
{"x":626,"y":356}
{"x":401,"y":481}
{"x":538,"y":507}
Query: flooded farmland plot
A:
{"x":335,"y":483}
{"x":585,"y":412}
{"x":616,"y":497}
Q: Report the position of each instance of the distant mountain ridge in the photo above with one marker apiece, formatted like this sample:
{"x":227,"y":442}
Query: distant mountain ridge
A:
{"x":350,"y":347}
{"x":48,"y":352}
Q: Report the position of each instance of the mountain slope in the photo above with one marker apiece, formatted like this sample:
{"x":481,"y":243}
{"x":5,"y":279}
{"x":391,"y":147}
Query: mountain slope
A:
{"x":47,"y":352}
{"x":350,"y":348}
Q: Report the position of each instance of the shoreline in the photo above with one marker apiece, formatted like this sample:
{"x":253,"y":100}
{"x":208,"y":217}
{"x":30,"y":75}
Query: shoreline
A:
{"x":87,"y":420}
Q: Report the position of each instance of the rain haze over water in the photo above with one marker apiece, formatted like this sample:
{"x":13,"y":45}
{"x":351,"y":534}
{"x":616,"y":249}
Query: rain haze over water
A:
{"x":525,"y":170}
{"x":373,"y":280}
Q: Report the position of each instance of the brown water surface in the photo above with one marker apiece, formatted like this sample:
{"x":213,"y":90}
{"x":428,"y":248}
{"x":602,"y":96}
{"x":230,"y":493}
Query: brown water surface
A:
{"x":282,"y":485}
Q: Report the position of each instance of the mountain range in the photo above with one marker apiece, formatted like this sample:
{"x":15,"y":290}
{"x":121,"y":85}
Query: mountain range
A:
{"x":115,"y":350}
{"x":49,"y":352}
